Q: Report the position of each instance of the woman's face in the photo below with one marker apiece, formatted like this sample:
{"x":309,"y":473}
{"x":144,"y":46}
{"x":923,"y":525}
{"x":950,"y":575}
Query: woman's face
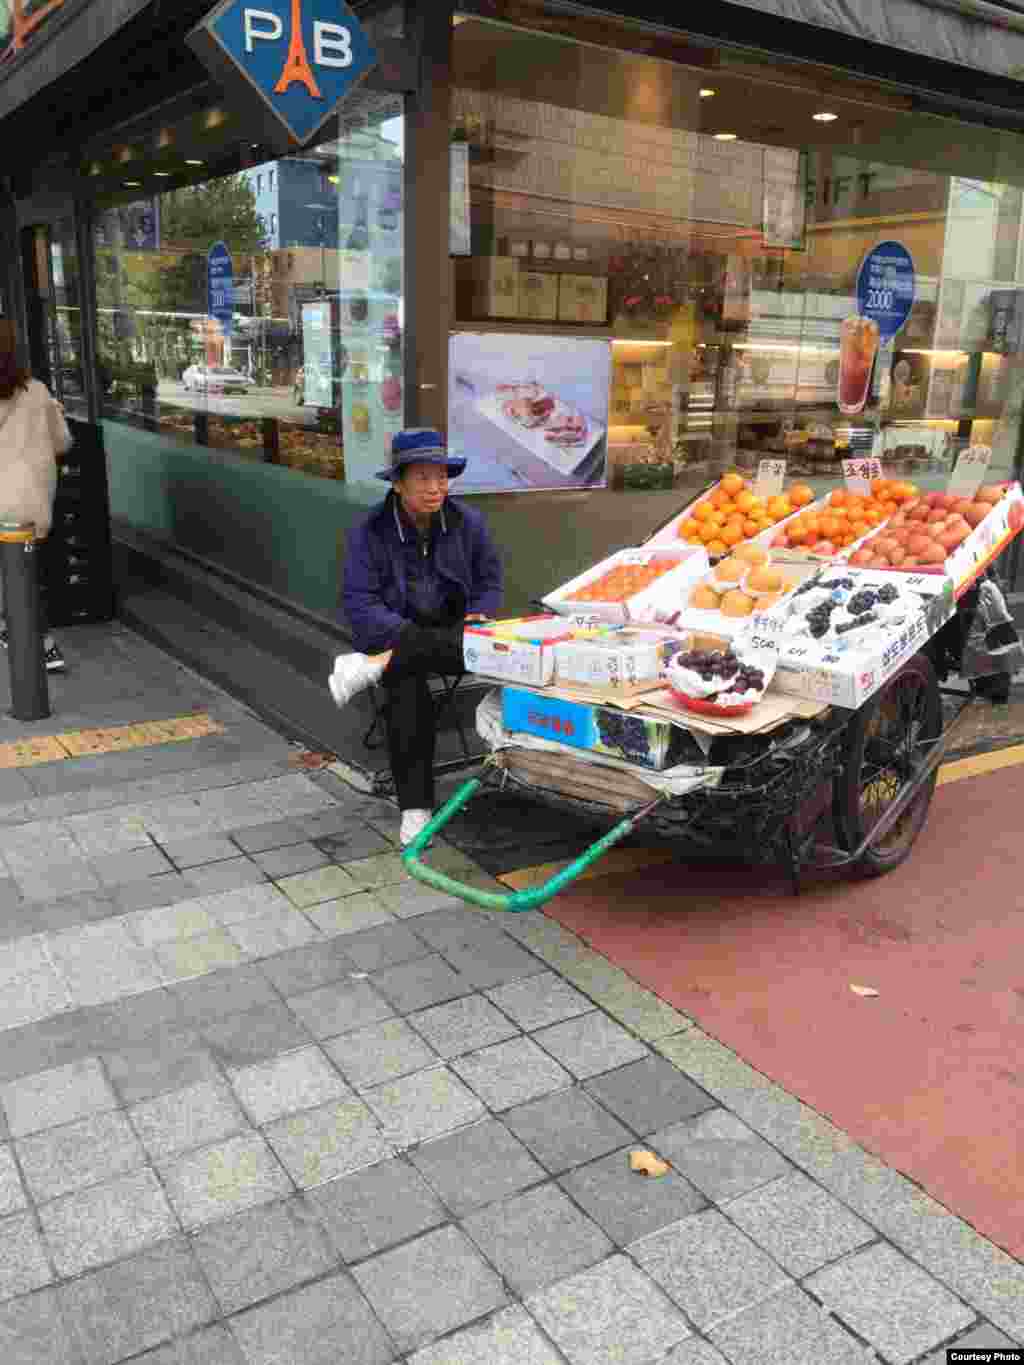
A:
{"x":422,"y":489}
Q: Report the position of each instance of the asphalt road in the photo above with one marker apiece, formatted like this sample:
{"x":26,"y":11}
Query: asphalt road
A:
{"x":258,"y":402}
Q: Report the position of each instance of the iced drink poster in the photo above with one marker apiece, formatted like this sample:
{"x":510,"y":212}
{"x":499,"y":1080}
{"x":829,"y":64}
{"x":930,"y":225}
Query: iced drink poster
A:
{"x":886,"y":285}
{"x":528,"y":412}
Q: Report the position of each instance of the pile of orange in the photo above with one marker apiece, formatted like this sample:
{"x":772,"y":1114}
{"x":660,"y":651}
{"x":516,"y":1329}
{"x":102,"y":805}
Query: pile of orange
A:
{"x":734,"y":513}
{"x":624,"y":582}
{"x":844,"y":518}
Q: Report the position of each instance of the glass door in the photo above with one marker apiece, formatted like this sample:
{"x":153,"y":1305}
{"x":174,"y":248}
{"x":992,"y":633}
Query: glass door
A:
{"x":54,"y":312}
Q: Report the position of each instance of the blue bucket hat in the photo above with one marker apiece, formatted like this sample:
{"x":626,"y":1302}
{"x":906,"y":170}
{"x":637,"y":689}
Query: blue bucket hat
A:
{"x":420,"y":445}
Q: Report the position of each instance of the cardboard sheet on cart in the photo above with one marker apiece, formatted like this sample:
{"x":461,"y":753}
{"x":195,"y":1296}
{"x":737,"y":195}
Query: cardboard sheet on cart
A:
{"x":672,"y":781}
{"x":771,"y":712}
{"x":566,"y":459}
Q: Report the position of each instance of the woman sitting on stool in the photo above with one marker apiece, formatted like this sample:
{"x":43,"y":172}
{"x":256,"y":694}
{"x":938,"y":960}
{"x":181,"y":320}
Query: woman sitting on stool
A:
{"x":416,"y":570}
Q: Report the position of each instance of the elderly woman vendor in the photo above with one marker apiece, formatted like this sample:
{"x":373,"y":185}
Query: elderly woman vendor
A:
{"x":418,"y":568}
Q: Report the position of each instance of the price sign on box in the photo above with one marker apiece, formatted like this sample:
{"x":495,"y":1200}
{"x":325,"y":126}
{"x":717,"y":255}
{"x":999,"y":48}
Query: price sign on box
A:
{"x":970,"y":471}
{"x":636,"y":557}
{"x":857,"y":474}
{"x":771,"y":475}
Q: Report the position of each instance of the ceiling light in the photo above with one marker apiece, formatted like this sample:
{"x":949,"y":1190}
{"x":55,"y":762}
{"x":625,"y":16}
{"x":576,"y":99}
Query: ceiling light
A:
{"x":825,"y":117}
{"x":725,"y":137}
{"x":189,"y":161}
{"x":162,"y":174}
{"x":132,"y":184}
{"x":707,"y":92}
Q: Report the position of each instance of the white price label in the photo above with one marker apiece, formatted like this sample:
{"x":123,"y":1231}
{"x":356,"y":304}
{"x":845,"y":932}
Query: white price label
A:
{"x":636,"y":557}
{"x":857,"y":474}
{"x":771,"y":476}
{"x":970,"y":471}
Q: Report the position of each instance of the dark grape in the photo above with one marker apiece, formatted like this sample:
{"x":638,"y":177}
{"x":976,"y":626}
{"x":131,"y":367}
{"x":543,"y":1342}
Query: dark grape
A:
{"x":861,"y":602}
{"x":863,"y":620}
{"x":888,"y":594}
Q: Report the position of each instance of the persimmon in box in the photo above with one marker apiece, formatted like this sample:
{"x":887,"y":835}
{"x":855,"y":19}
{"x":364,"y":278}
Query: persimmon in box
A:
{"x":939,"y":533}
{"x":632,"y":584}
{"x":732,"y":513}
{"x":744,"y":585}
{"x":842,"y":520}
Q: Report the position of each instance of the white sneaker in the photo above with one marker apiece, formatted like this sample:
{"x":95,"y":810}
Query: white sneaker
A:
{"x":414,"y":822}
{"x":353,"y":673}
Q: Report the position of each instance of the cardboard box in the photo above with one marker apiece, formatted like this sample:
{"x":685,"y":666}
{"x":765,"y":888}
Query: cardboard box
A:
{"x":583,"y":298}
{"x":636,"y":739}
{"x":621,"y":661}
{"x":668,"y":590}
{"x":819,"y":671}
{"x":538,"y":295}
{"x":521,"y":650}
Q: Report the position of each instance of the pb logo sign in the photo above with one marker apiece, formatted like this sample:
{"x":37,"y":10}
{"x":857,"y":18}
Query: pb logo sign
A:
{"x":301,"y":57}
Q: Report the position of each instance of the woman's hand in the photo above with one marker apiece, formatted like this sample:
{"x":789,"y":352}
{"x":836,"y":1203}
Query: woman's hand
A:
{"x":476,"y":617}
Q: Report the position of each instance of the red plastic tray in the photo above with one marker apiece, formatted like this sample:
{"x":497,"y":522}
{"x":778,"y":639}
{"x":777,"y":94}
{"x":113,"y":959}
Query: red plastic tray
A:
{"x":709,"y":708}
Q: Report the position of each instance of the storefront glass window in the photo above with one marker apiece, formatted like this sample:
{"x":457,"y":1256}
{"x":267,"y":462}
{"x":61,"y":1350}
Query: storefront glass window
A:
{"x":661,"y":254}
{"x":257,"y":315}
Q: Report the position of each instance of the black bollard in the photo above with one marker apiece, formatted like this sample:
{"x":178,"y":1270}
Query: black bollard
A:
{"x":30,"y":696}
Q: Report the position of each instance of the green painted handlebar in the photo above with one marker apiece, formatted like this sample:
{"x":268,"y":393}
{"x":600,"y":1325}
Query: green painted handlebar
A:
{"x":530,"y":899}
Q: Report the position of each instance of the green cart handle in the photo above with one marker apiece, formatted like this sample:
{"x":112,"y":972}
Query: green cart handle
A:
{"x":530,"y":899}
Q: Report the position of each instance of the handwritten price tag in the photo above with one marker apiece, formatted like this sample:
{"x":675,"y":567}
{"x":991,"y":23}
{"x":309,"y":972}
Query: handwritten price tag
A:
{"x":857,"y":474}
{"x":771,"y":476}
{"x":641,"y":557}
{"x":970,"y":471}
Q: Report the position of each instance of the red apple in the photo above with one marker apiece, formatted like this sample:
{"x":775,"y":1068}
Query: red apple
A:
{"x":977,"y":512}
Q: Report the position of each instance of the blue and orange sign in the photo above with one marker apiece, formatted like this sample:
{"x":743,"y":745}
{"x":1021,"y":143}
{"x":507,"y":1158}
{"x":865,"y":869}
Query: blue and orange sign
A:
{"x":301,"y":56}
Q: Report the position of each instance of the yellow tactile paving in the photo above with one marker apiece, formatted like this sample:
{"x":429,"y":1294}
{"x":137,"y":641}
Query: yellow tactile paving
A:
{"x":112,"y":739}
{"x":981,"y":764}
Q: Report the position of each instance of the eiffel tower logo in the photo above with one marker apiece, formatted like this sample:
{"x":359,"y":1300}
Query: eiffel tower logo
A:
{"x":296,"y":67}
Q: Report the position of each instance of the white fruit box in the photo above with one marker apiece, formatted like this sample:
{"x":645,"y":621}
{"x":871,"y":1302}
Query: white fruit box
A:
{"x":691,"y":563}
{"x":848,"y":673}
{"x":987,"y":541}
{"x":668,"y":534}
{"x":761,"y":623}
{"x":519,"y":650}
{"x":621,"y":660}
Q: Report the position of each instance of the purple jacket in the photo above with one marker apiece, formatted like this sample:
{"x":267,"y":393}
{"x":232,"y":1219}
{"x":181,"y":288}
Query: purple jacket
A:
{"x":374,"y":597}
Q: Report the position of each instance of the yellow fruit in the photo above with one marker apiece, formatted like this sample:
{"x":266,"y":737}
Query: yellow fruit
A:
{"x":703,"y":598}
{"x":717,"y":547}
{"x":703,"y":510}
{"x":733,"y":533}
{"x":737,"y":604}
{"x":752,"y":554}
{"x":730,"y":570}
{"x":765,"y":579}
{"x":688,"y":529}
{"x":733,"y":483}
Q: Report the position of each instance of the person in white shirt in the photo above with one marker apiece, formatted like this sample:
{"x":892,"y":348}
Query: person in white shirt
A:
{"x":33,"y":435}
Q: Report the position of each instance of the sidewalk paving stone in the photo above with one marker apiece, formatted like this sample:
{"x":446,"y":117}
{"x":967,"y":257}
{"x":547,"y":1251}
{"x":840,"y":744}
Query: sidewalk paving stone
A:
{"x":324,"y":1143}
{"x":890,"y":1302}
{"x":382,"y":1052}
{"x":627,"y":1206}
{"x":709,"y":1268}
{"x":273,"y":834}
{"x":35,"y":1332}
{"x":349,"y":915}
{"x":695,"y":1352}
{"x":538,"y":1000}
{"x":321,"y":1324}
{"x":509,"y":1074}
{"x":510,"y":1337}
{"x":566,"y":1129}
{"x":222,"y":993}
{"x":649,"y":1095}
{"x":297,"y":971}
{"x":12,"y":1195}
{"x":212,"y":1346}
{"x":536,"y":1238}
{"x":196,"y":1116}
{"x":88,"y":1152}
{"x":429,"y":1286}
{"x":799,"y":1223}
{"x":591,"y":1044}
{"x":291,"y":860}
{"x":476,"y":1166}
{"x":187,"y":853}
{"x":389,"y":945}
{"x":225,"y":1178}
{"x":322,"y":884}
{"x":720,"y":1155}
{"x":227,"y":876}
{"x":413,"y":986}
{"x":352,"y":841}
{"x":384,"y":869}
{"x":198,"y":956}
{"x":461,"y":1026}
{"x":155,"y":1297}
{"x":984,"y":1338}
{"x":273,"y":932}
{"x":254,"y":1035}
{"x":340,"y":1007}
{"x":106,"y":1222}
{"x":170,"y":1061}
{"x":23,"y":1261}
{"x":287,"y":1084}
{"x":376,"y":1208}
{"x":787,"y":1329}
{"x":610,"y":1312}
{"x":262,"y":1252}
{"x":56,"y":1097}
{"x":423,"y":1106}
{"x":492,"y":960}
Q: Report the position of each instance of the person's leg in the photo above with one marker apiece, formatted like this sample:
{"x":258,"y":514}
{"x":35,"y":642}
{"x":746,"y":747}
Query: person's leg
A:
{"x":409,"y":723}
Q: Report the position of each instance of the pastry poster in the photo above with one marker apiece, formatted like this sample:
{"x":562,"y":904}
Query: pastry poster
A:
{"x":528,"y":412}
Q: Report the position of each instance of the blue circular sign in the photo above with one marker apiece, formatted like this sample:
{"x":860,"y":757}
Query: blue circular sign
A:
{"x":885,"y":287}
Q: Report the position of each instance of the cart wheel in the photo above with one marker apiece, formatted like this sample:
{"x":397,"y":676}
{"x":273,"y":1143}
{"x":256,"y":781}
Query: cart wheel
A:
{"x":886,"y":743}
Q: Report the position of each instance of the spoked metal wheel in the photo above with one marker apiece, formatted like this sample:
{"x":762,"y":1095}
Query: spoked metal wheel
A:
{"x":887,"y":744}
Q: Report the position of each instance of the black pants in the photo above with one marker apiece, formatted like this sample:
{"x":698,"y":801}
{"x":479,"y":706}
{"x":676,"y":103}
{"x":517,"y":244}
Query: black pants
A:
{"x":409,"y":707}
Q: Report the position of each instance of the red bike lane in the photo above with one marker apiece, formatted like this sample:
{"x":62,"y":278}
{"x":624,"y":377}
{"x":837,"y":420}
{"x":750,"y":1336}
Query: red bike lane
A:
{"x":929,"y":1076}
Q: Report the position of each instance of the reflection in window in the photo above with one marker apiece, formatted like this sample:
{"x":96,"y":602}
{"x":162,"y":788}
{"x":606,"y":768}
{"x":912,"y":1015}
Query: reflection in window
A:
{"x":291,"y":356}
